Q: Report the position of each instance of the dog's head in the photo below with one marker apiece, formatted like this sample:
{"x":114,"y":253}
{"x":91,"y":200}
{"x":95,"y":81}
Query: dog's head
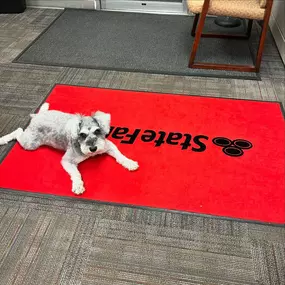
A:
{"x":88,"y":133}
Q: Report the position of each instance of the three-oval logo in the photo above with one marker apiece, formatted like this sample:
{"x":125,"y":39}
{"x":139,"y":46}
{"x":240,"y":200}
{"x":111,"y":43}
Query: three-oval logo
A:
{"x":233,"y":148}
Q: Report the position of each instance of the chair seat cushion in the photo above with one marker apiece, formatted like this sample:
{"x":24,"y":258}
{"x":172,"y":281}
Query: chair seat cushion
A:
{"x":248,"y":9}
{"x":262,"y":3}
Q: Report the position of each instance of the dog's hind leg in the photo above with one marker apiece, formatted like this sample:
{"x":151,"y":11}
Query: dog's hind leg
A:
{"x":25,"y":138}
{"x":44,"y":107}
{"x":29,"y":140}
{"x":15,"y":135}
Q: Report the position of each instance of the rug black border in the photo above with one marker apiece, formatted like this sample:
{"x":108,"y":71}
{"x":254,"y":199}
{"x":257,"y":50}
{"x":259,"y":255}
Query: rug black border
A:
{"x":88,"y":201}
{"x":204,"y":75}
{"x":146,"y":208}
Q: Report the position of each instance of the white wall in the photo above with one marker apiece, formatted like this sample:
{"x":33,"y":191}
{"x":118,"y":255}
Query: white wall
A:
{"x":277,"y":25}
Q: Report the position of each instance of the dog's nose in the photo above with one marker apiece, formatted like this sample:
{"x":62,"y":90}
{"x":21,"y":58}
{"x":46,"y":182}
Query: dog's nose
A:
{"x":93,"y":148}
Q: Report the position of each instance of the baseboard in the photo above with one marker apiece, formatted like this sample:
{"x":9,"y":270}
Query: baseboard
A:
{"x":278,"y":36}
{"x":41,"y":7}
{"x":81,"y":4}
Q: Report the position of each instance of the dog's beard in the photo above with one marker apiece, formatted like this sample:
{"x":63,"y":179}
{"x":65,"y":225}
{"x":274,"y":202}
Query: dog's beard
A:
{"x":100,"y":144}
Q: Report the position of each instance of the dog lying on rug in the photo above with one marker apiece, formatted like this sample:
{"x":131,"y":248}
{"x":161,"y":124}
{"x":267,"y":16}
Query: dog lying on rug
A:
{"x":79,"y":136}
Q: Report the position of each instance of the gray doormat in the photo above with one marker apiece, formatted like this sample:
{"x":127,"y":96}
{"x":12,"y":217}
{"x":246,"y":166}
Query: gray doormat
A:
{"x":135,"y":42}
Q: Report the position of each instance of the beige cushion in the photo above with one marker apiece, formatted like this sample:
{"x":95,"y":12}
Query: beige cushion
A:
{"x":262,"y":3}
{"x":248,"y":9}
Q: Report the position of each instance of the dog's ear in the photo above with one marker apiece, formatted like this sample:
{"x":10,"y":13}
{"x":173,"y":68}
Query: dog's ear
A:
{"x":104,"y":120}
{"x":73,"y":127}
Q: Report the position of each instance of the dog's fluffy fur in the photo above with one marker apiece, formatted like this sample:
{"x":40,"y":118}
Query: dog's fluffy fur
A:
{"x":79,"y":136}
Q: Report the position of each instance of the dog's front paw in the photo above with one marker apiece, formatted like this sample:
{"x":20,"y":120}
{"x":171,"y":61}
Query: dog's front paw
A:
{"x":130,"y":164}
{"x":78,"y":187}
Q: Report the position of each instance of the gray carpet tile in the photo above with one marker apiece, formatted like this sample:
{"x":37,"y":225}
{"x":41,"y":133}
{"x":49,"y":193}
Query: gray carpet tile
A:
{"x":269,"y":262}
{"x":24,"y":87}
{"x":279,"y":88}
{"x":50,"y":240}
{"x":134,"y":42}
{"x":97,"y":244}
{"x":18,"y":30}
{"x":126,"y":253}
{"x":173,"y":220}
{"x":103,"y":246}
{"x":273,"y":70}
{"x":85,"y":77}
{"x":41,"y":244}
{"x":221,"y":87}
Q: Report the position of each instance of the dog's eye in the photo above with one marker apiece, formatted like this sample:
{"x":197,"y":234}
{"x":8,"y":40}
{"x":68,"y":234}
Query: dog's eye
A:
{"x":97,"y":132}
{"x":83,"y":135}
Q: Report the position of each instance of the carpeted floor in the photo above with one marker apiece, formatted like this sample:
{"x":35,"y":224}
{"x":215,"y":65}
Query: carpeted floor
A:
{"x":50,"y":241}
{"x":136,"y":42}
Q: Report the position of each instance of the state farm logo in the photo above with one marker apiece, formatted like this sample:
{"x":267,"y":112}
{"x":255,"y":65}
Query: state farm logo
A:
{"x":185,"y":141}
{"x":232,"y":148}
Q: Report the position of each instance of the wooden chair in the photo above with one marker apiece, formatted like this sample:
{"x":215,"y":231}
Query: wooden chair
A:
{"x":246,"y":9}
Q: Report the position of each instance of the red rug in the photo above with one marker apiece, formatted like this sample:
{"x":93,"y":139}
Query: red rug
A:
{"x":220,"y":157}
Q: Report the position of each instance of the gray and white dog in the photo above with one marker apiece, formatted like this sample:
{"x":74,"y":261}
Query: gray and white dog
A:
{"x":79,"y":136}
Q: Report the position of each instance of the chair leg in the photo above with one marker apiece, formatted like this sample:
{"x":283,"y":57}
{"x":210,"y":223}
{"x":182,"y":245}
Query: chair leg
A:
{"x":199,"y":32}
{"x":263,"y":34}
{"x":245,"y":68}
{"x":196,"y":19}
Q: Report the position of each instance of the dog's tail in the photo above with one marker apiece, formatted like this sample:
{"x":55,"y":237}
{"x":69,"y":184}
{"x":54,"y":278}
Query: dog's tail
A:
{"x":43,"y":108}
